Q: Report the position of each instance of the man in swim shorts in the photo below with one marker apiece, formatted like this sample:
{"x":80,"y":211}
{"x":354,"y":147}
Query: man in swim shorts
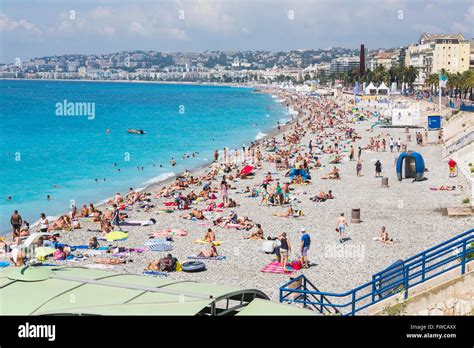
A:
{"x":341,"y":227}
{"x":16,"y":221}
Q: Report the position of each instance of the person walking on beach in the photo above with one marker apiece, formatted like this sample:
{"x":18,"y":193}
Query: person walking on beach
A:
{"x":115,"y":217}
{"x":341,"y":227}
{"x":391,"y":144}
{"x":399,"y":144}
{"x":452,"y":168}
{"x":378,"y":169}
{"x":285,"y":249}
{"x":358,"y":168}
{"x":16,"y":221}
{"x":310,"y":146}
{"x":359,"y":153}
{"x":224,"y":188}
{"x":351,"y":153}
{"x":216,"y":156}
{"x":305,"y":244}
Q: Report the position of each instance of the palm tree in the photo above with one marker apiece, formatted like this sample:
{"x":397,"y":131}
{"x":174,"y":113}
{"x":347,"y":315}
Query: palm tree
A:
{"x":433,"y":82}
{"x":381,"y":75}
{"x":467,"y":83}
{"x":410,"y":74}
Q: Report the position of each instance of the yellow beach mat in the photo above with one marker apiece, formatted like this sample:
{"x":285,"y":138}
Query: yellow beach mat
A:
{"x":215,"y":243}
{"x":116,"y":235}
{"x":42,"y":252}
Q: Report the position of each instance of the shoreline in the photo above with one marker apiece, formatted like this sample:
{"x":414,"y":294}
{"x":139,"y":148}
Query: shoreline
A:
{"x":190,"y":83}
{"x":196,"y":171}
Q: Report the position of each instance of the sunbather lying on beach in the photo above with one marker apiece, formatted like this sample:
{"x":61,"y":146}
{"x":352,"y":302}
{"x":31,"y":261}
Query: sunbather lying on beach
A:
{"x":62,"y":223}
{"x":212,"y":252}
{"x":256,"y":235}
{"x":322,"y":197}
{"x":195,"y":213}
{"x":334,"y":174}
{"x":443,"y":188}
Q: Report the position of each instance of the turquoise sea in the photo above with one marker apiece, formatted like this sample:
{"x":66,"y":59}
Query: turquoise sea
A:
{"x":44,"y":152}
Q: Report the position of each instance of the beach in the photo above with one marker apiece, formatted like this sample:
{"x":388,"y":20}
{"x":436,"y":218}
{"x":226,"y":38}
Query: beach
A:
{"x":411,"y":211}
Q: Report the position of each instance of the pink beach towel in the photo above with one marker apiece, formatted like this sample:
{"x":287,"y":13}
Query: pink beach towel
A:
{"x":275,"y":267}
{"x":233,"y":226}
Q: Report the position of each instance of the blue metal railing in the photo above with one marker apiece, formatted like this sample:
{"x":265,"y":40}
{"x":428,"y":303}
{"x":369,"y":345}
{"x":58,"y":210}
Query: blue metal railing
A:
{"x":401,"y":276}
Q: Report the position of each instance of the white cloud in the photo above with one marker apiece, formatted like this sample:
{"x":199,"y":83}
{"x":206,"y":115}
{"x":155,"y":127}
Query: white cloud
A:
{"x":8,"y":24}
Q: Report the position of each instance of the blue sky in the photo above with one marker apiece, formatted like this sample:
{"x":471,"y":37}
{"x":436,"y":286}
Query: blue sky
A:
{"x":38,"y":28}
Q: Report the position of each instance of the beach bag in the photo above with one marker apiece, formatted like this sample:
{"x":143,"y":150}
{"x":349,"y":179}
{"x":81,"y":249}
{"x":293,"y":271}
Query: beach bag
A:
{"x":296,"y":265}
{"x":59,"y":255}
{"x":179,"y":267}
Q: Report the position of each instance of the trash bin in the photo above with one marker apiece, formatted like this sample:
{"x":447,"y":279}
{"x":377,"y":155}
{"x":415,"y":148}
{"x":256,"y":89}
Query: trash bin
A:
{"x":384,"y":181}
{"x":355,"y":216}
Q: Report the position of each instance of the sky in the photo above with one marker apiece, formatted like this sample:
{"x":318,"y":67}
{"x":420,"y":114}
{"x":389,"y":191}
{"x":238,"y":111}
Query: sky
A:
{"x":35,"y":28}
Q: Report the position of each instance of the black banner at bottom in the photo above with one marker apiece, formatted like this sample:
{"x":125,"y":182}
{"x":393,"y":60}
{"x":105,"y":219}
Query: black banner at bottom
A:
{"x":228,"y":331}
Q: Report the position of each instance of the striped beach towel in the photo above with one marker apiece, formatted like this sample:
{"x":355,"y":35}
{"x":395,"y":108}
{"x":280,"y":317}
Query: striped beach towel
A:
{"x":217,"y":258}
{"x":275,"y":267}
{"x":155,"y":273}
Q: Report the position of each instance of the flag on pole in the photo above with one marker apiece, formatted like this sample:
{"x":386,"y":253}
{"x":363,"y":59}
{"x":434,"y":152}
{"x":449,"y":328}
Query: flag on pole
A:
{"x":443,"y":80}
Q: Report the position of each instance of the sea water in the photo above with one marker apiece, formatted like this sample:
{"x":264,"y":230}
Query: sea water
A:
{"x":57,"y":138}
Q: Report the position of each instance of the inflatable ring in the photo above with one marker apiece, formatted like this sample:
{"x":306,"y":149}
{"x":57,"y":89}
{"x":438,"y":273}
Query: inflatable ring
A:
{"x":193,"y":266}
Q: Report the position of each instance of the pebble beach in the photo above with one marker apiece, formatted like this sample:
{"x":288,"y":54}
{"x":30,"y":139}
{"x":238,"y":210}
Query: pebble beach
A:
{"x":412,"y":213}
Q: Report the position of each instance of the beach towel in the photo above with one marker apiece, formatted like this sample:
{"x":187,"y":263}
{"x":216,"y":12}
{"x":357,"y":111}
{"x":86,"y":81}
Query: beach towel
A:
{"x":275,"y":268}
{"x":233,"y":226}
{"x":217,"y":258}
{"x":130,"y":250}
{"x":158,"y":245}
{"x":137,"y":223}
{"x":98,"y":266}
{"x":215,"y":243}
{"x":43,"y":252}
{"x":170,"y":232}
{"x":114,"y":261}
{"x":4,"y":264}
{"x":116,"y":236}
{"x":155,"y":273}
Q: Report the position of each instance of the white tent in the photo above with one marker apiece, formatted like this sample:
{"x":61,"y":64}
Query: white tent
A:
{"x":371,"y":89}
{"x":383,"y":89}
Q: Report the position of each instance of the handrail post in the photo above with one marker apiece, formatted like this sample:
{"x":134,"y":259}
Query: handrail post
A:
{"x":321,"y":310}
{"x":463,"y":260}
{"x":353,"y":302}
{"x":305,"y":285}
{"x":406,"y":272}
{"x":423,"y":267}
{"x":374,"y":288}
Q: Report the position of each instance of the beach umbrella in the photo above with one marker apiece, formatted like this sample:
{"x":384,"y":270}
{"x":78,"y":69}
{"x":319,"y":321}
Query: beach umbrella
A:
{"x":246,"y":170}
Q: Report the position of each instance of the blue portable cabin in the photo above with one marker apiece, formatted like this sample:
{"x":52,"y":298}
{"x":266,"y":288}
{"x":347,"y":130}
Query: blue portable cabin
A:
{"x":414,"y":166}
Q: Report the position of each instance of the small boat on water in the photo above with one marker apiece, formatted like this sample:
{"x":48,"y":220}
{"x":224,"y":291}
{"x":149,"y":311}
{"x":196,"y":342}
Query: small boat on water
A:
{"x":136,"y":131}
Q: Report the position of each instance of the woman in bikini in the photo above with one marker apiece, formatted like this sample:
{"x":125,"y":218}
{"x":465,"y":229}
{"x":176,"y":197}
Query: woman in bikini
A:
{"x":212,"y":252}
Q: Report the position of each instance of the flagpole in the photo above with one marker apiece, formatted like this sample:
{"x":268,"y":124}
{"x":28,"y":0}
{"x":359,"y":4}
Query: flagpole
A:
{"x":439,"y":100}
